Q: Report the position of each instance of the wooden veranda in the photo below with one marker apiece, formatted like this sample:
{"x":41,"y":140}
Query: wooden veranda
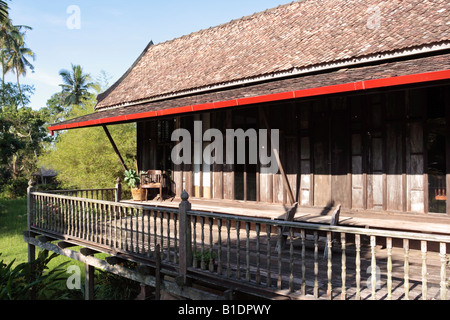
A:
{"x":259,"y":257}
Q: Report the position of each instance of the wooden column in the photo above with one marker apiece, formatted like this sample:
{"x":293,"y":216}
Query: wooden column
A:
{"x":31,"y":248}
{"x":89,"y":282}
{"x":89,"y":275}
{"x":158,"y":273}
{"x":185,"y":236}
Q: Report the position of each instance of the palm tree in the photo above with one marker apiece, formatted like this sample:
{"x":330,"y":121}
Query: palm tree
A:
{"x":13,"y":52}
{"x":8,"y":36}
{"x":19,"y":54}
{"x":76,"y":85}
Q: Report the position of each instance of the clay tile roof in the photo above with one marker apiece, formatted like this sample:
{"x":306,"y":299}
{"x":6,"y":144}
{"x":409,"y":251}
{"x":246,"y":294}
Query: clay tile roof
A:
{"x":288,"y":37}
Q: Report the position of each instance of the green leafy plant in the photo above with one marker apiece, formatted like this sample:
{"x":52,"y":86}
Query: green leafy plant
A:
{"x":205,"y":256}
{"x":132,"y":178}
{"x":33,"y":280}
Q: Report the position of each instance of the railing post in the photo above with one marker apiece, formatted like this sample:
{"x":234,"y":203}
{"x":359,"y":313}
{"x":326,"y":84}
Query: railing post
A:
{"x":30,"y":190}
{"x":185,"y":236}
{"x":118,"y":190}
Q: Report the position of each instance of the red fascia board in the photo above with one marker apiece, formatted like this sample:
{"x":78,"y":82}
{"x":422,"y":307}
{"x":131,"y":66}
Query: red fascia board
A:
{"x":408,"y":79}
{"x":340,"y":88}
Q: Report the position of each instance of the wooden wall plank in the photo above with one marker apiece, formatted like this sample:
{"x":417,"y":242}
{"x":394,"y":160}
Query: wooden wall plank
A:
{"x":178,"y":169}
{"x":206,"y":174}
{"x":340,"y":155}
{"x":394,"y":166}
{"x":217,"y":168}
{"x":292,"y":164}
{"x":357,"y":173}
{"x":415,"y":168}
{"x":305,"y":172}
{"x":228,"y":172}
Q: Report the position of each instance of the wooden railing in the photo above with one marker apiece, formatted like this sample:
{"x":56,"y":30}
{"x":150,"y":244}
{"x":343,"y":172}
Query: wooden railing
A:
{"x":131,"y":229}
{"x":291,"y":258}
{"x":323,"y":261}
{"x":107,"y":194}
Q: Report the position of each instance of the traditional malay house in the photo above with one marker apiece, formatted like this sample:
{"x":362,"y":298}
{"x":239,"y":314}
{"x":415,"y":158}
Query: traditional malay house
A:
{"x":359,"y":91}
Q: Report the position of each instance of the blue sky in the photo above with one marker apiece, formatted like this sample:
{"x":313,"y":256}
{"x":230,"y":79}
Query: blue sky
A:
{"x":111,"y":34}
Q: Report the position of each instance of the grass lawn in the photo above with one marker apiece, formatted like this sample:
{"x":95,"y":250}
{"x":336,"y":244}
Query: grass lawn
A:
{"x":13,"y":221}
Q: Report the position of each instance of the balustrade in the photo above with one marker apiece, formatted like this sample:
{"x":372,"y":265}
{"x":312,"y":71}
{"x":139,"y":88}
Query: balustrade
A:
{"x":270,"y":254}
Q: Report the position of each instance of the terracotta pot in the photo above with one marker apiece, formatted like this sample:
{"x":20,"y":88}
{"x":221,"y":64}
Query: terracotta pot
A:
{"x":138,"y":194}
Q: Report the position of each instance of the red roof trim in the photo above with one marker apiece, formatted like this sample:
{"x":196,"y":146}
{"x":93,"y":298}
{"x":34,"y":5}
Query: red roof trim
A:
{"x":347,"y":87}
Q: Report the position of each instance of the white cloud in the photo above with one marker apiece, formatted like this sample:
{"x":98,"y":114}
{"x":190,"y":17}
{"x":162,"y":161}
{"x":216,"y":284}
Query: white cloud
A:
{"x":44,"y":78}
{"x":54,"y":20}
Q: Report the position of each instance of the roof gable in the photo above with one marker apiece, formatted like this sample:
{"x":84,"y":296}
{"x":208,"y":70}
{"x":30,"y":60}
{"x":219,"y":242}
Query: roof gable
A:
{"x":293,"y":36}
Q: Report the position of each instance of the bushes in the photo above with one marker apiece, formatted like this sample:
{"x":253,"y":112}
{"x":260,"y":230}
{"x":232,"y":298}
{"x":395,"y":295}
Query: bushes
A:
{"x":14,"y":189}
{"x":49,"y":284}
{"x":31,"y":281}
{"x":34,"y":281}
{"x":114,"y":287}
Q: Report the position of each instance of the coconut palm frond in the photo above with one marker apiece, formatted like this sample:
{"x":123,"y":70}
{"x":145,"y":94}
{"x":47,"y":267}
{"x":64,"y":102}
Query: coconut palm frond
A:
{"x":3,"y":11}
{"x":76,"y":83}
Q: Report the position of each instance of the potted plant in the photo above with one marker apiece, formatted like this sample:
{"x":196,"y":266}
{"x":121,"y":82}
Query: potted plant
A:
{"x":207,"y":256}
{"x":134,"y":181}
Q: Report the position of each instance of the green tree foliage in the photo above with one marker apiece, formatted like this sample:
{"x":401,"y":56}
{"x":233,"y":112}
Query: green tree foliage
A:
{"x":19,"y":57}
{"x":56,"y":111}
{"x":76,"y":85}
{"x":21,"y":128}
{"x":84,"y":158}
{"x":22,"y":134}
{"x":3,"y":11}
{"x":14,"y":54}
